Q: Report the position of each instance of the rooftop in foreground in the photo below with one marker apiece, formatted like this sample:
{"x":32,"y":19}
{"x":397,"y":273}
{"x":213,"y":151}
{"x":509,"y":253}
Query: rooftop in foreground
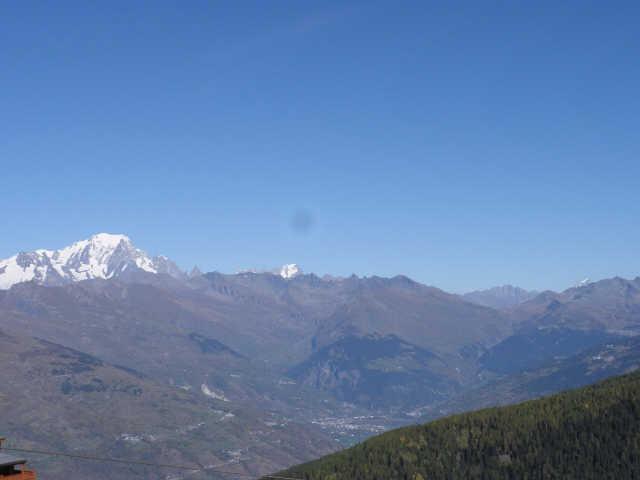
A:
{"x":10,"y":460}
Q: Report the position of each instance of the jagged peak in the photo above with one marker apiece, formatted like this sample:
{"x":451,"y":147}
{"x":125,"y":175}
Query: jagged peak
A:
{"x":195,"y":272}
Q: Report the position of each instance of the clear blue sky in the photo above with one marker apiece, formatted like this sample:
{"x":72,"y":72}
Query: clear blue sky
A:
{"x":465,"y":144}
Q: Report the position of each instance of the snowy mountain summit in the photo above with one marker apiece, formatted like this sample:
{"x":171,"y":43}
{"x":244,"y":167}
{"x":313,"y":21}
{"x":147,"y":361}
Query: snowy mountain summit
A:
{"x":584,"y":282}
{"x":102,"y":256}
{"x":290,"y":270}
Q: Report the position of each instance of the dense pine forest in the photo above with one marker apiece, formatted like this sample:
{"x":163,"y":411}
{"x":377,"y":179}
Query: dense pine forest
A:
{"x":589,"y":433}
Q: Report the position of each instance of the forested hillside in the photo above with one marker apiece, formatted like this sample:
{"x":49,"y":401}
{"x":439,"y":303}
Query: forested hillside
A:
{"x":589,"y":433}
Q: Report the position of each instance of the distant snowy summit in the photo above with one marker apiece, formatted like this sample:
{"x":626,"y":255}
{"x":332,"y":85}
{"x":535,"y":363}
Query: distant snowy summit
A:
{"x":102,"y":256}
{"x":287,"y":271}
{"x":290,"y":270}
{"x":583,"y":283}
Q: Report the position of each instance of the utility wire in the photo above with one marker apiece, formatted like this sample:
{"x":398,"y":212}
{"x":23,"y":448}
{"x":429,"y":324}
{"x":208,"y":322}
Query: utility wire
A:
{"x":138,"y":462}
{"x":100,"y":459}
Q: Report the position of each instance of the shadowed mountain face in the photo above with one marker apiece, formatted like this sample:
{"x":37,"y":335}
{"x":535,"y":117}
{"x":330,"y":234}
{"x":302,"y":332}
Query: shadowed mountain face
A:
{"x":562,"y":340}
{"x":612,"y":358}
{"x":53,"y":397}
{"x":378,"y":372}
{"x":559,"y":325}
{"x":534,"y":348}
{"x":611,"y":304}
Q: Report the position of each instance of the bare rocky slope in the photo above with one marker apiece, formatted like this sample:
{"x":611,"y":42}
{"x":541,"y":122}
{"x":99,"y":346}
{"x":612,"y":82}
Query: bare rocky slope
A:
{"x":60,"y":399}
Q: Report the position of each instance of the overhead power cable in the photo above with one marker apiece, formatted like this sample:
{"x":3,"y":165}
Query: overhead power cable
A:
{"x":141,"y":463}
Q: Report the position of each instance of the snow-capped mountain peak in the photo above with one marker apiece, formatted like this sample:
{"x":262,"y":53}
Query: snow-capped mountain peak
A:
{"x":103,"y":256}
{"x":290,"y":270}
{"x":583,"y":283}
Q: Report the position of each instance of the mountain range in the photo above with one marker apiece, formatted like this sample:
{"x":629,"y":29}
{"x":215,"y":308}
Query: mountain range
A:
{"x":340,"y":358}
{"x":102,"y":256}
{"x":505,"y":296}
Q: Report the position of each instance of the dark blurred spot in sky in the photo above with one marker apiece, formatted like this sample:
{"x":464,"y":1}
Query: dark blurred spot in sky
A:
{"x":302,"y":222}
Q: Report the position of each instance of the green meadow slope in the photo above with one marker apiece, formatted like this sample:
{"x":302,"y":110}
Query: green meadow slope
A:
{"x":588,"y":433}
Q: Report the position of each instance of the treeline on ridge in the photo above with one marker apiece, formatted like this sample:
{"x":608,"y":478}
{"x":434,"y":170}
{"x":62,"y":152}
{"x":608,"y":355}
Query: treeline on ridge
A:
{"x":588,"y":433}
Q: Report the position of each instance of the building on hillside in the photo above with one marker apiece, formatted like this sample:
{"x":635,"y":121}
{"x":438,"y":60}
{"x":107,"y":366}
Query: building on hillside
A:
{"x":13,"y":468}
